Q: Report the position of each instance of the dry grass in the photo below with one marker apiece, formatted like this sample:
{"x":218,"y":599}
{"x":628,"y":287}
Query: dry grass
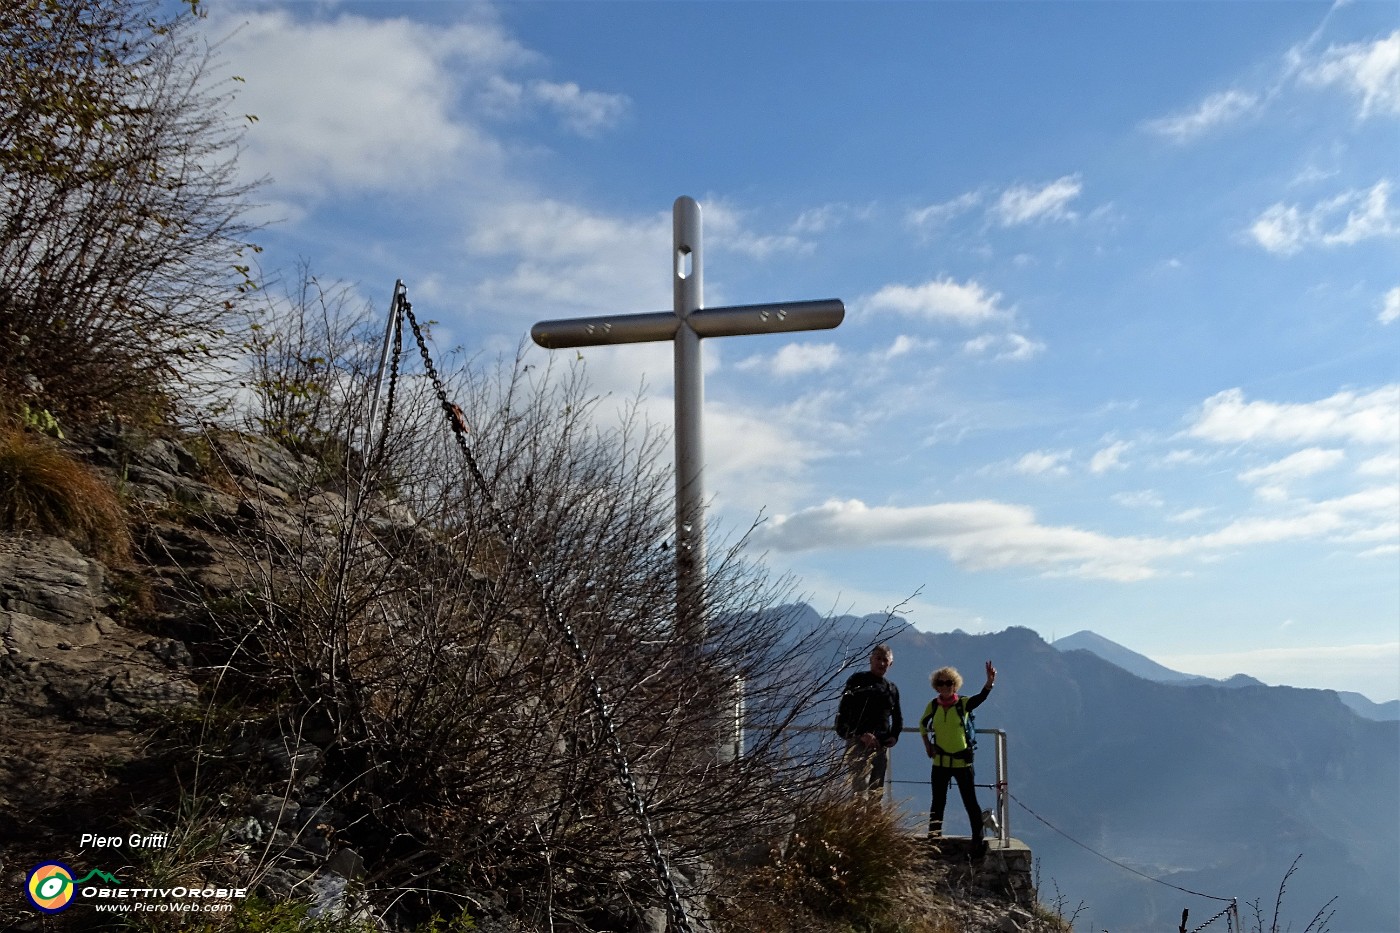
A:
{"x":45,"y":490}
{"x":847,"y":865}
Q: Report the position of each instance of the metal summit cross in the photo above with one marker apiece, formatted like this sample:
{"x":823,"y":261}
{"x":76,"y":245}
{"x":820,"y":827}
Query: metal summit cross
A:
{"x":684,"y":326}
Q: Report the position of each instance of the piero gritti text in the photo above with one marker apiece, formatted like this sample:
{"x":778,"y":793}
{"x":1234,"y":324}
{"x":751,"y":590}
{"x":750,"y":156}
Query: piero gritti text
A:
{"x":133,"y":841}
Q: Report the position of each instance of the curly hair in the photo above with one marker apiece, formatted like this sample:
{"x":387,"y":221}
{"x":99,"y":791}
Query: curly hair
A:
{"x":946,"y":673}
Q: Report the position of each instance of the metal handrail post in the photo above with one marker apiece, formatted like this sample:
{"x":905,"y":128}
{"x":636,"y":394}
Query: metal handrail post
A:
{"x":1003,"y":787}
{"x":1003,"y":798}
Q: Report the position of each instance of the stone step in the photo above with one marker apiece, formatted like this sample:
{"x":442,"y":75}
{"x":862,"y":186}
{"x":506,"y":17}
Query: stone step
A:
{"x":1013,"y":855}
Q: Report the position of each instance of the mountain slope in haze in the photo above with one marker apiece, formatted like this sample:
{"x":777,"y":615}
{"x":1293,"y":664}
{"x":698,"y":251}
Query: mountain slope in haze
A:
{"x":1365,"y":706}
{"x":1145,"y":667}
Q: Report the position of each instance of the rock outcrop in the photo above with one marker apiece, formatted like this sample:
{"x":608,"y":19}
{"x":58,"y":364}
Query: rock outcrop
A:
{"x":76,"y":687}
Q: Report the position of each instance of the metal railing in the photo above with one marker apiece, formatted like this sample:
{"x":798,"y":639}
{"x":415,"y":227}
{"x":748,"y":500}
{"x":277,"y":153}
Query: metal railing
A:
{"x":1001,"y":784}
{"x":1003,"y":805}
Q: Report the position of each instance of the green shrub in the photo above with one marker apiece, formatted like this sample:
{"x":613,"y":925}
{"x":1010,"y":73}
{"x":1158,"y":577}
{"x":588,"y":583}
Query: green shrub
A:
{"x":44,"y":489}
{"x":41,"y":420}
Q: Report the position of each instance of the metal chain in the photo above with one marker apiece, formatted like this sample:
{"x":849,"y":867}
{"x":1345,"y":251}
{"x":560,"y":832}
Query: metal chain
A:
{"x":1213,"y":919}
{"x":397,"y":328}
{"x":624,"y":771}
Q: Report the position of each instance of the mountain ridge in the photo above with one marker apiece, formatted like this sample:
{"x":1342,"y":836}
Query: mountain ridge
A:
{"x":1148,"y":669}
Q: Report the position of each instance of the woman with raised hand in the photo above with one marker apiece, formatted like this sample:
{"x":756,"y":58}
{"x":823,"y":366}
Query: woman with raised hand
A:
{"x":944,"y":729}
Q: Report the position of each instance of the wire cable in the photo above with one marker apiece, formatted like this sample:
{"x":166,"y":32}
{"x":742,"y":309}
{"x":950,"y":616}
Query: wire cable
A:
{"x":1128,"y":868}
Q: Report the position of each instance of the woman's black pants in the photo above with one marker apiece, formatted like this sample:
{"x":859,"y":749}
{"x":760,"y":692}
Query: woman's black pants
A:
{"x":966,"y":789}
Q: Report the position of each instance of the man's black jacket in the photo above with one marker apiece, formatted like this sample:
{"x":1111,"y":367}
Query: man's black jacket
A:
{"x":870,"y":703}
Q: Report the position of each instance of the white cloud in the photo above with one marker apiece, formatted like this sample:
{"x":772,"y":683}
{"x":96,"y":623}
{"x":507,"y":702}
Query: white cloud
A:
{"x":1370,"y":70}
{"x":941,"y":299}
{"x":1387,"y":465}
{"x":569,"y":261}
{"x":1142,"y":499}
{"x":1365,"y":418}
{"x":1312,"y":175}
{"x":1024,"y":204}
{"x":1280,"y":229}
{"x":936,"y":214}
{"x":989,"y":535}
{"x":796,"y":359}
{"x":1348,"y":218}
{"x":983,"y":535}
{"x":757,"y":458}
{"x":554,"y":228}
{"x":346,"y":103}
{"x":1300,"y":465}
{"x":1182,"y":457}
{"x":1220,"y":109}
{"x":1020,"y":348}
{"x":1271,"y":492}
{"x":1368,"y":214}
{"x":1109,"y":458}
{"x":354,"y":78}
{"x":726,"y":229}
{"x":904,"y":345}
{"x":1390,"y":307}
{"x":1011,"y":347}
{"x":1043,"y":462}
{"x":822,"y":219}
{"x":742,"y":440}
{"x":585,"y":112}
{"x":1360,"y":513}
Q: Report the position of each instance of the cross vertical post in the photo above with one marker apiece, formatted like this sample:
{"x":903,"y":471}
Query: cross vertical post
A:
{"x":685,"y":325}
{"x":688,"y":290}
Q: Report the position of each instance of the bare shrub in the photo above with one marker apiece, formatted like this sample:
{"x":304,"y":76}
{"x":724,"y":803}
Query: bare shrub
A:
{"x":121,"y":238}
{"x":1318,"y":923}
{"x":310,"y":352}
{"x":425,"y":639}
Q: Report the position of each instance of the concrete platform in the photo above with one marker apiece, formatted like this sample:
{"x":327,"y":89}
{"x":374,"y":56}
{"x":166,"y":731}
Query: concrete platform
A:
{"x":1007,"y":866}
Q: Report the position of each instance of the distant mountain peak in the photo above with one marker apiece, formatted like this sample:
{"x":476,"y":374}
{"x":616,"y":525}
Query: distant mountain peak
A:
{"x":1127,"y":659}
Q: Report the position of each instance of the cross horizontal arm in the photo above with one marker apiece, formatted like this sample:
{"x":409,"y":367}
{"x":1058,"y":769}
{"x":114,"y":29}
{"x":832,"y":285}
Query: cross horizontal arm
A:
{"x":767,"y":319}
{"x":706,"y":322}
{"x":604,"y":331}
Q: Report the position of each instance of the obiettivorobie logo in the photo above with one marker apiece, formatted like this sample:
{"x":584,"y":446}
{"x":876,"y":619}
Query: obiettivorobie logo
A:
{"x":51,"y":885}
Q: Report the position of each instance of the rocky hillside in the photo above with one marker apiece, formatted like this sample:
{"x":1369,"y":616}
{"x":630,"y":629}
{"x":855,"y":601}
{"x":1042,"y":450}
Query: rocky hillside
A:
{"x":109,"y":684}
{"x":104,"y":681}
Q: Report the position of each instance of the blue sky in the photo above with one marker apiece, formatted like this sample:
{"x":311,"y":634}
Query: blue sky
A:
{"x":1122,"y":280}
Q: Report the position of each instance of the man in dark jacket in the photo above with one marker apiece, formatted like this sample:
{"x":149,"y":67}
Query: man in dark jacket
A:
{"x":870,"y":720}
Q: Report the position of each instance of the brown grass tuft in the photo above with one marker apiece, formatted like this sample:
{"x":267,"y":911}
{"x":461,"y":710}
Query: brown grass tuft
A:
{"x":846,"y":862}
{"x":45,"y":490}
